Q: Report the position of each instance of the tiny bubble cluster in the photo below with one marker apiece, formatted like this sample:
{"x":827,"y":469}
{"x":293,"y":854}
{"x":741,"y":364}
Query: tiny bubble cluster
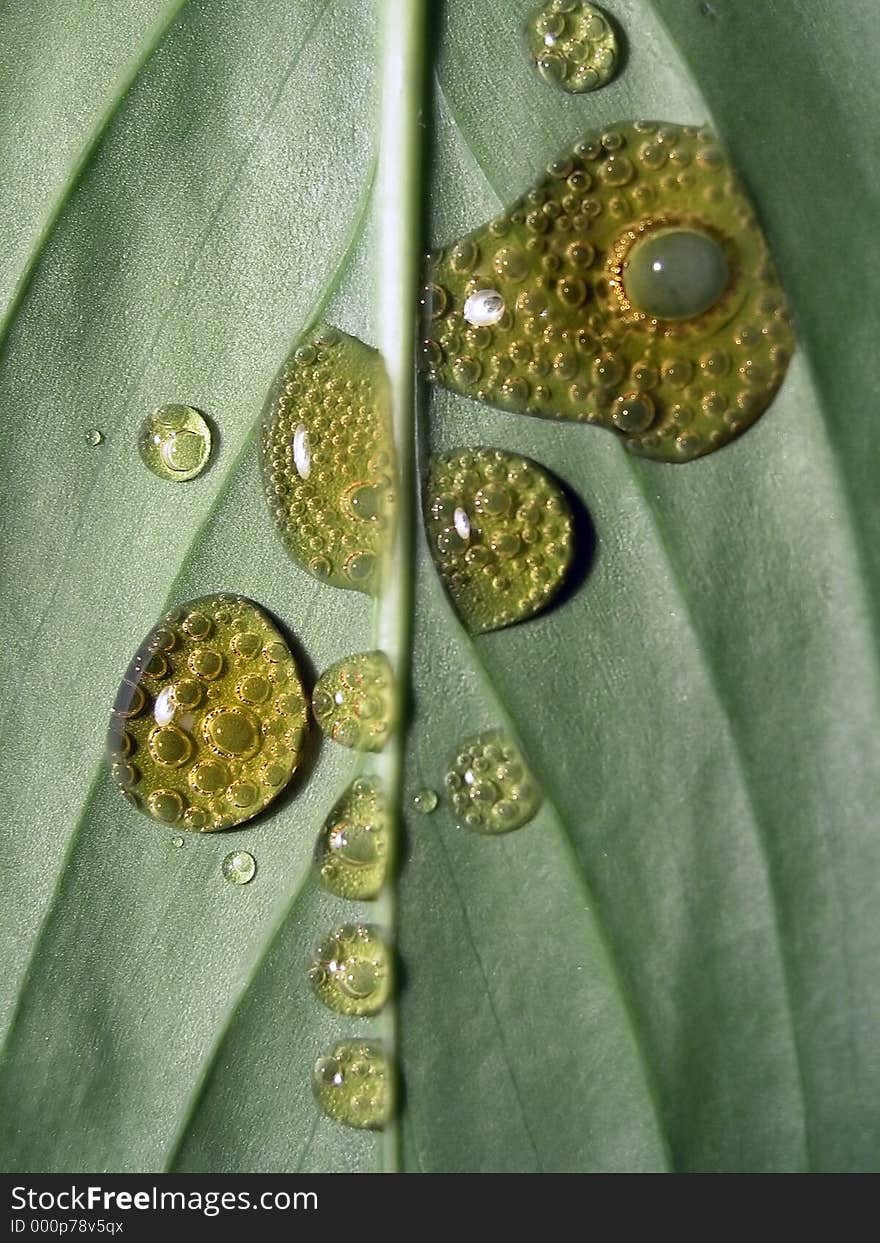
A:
{"x":175,"y":442}
{"x":353,"y":1083}
{"x":209,"y":722}
{"x":573,"y":45}
{"x":500,"y":533}
{"x":632,"y":288}
{"x":489,"y":786}
{"x":327,"y":459}
{"x":353,"y":844}
{"x":351,"y":970}
{"x":353,"y":701}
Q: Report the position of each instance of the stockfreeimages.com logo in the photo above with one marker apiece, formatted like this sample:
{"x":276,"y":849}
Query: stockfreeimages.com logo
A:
{"x":209,"y":1203}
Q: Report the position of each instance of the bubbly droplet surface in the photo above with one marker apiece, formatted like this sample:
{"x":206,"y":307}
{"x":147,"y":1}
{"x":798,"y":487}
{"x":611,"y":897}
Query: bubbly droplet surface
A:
{"x":175,"y":442}
{"x":353,"y":701}
{"x":209,"y":722}
{"x":353,"y":845}
{"x":239,"y":867}
{"x":639,"y":295}
{"x":94,"y":437}
{"x":489,"y":786}
{"x":327,"y":460}
{"x":353,"y":1083}
{"x":425,"y":801}
{"x":573,"y":45}
{"x":501,"y":534}
{"x":351,"y":970}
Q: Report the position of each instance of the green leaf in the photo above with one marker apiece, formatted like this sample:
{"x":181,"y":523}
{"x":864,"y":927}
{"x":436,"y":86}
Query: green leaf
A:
{"x":674,"y":966}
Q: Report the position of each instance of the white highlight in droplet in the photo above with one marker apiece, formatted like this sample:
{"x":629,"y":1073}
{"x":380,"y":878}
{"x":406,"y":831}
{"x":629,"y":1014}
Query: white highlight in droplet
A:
{"x":302,"y":454}
{"x":484,"y":307}
{"x":163,"y":709}
{"x":462,"y":523}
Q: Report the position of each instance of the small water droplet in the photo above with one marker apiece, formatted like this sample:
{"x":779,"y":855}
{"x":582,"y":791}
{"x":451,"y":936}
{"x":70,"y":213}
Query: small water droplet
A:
{"x":353,"y":1083}
{"x":216,"y":731}
{"x":353,"y":701}
{"x":353,"y":845}
{"x":425,"y":801}
{"x":327,"y":459}
{"x":94,"y":437}
{"x":490,"y":787}
{"x":175,"y":442}
{"x":239,"y":867}
{"x":177,"y":842}
{"x":509,"y":544}
{"x":351,"y":970}
{"x":573,"y":45}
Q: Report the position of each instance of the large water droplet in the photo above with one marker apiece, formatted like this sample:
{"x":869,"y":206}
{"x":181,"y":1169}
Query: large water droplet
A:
{"x":353,"y":845}
{"x":573,"y":45}
{"x":327,"y":461}
{"x":637,"y":256}
{"x":351,"y":970}
{"x":353,"y":1083}
{"x":209,"y":721}
{"x":175,"y":442}
{"x":489,"y":786}
{"x":239,"y":867}
{"x":501,"y":534}
{"x":353,"y":701}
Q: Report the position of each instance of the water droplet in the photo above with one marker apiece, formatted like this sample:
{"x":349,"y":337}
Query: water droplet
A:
{"x":177,"y":842}
{"x":425,"y":801}
{"x":94,"y":437}
{"x":327,"y":459}
{"x":353,"y":1084}
{"x":203,"y":737}
{"x":353,"y":845}
{"x":351,"y":970}
{"x":489,"y":785}
{"x":239,"y":867}
{"x":641,"y":276}
{"x":353,"y":701}
{"x":573,"y":45}
{"x":501,"y":534}
{"x":175,"y":442}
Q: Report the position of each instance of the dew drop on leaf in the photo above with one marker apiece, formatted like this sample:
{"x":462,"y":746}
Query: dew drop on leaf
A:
{"x":94,"y":437}
{"x":239,"y":867}
{"x":353,"y":1083}
{"x":353,"y":844}
{"x":500,"y":532}
{"x":351,"y":970}
{"x":572,"y":44}
{"x":353,"y":701}
{"x":489,"y":786}
{"x":327,"y":459}
{"x":175,"y":442}
{"x":425,"y":801}
{"x":639,"y":295}
{"x":177,"y":842}
{"x":209,"y":722}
